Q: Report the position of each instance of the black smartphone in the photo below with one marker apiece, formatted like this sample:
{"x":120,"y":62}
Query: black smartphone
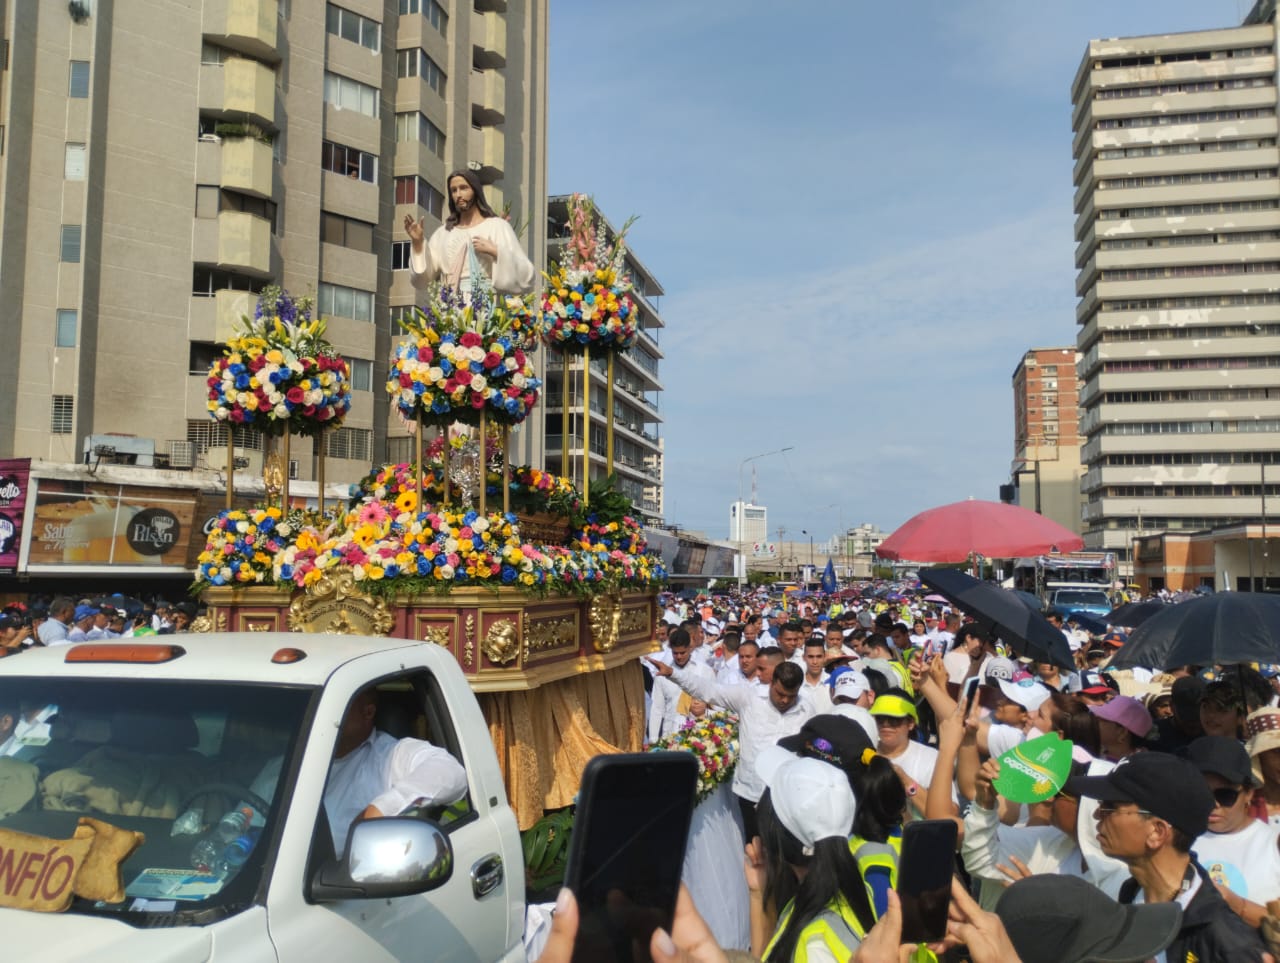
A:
{"x":925,"y":868}
{"x":968,"y":690}
{"x":627,"y":851}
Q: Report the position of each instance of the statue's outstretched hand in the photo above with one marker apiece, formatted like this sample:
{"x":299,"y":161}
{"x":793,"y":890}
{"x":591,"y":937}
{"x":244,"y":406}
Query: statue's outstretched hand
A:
{"x":416,"y":230}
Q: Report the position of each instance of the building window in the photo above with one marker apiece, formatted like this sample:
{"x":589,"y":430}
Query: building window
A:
{"x":346,"y":302}
{"x":414,"y":126}
{"x":400,"y":251}
{"x":73,"y":163}
{"x":78,"y":85}
{"x":346,"y":232}
{"x":349,"y":162}
{"x":361,"y":374}
{"x":211,"y":54}
{"x":416,"y":190}
{"x":430,"y":9}
{"x":347,"y":94}
{"x":61,"y":414}
{"x":401,"y":313}
{"x":257,"y":206}
{"x":351,"y":26}
{"x":353,"y":443}
{"x":416,"y":63}
{"x":65,"y":335}
{"x":206,"y":282}
{"x":69,"y":248}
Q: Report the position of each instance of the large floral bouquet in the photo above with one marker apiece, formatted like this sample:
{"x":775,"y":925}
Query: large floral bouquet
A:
{"x":279,"y":373}
{"x":242,"y":546}
{"x":422,"y":548}
{"x":535,"y":490}
{"x":461,"y":359}
{"x":713,"y":740}
{"x":588,"y":300}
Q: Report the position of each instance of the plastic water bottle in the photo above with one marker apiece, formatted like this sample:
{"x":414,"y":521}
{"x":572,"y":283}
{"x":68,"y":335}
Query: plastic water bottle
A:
{"x":235,"y":854}
{"x":205,"y":854}
{"x":234,"y":824}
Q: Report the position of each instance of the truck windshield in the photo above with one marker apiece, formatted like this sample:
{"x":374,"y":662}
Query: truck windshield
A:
{"x":1070,"y":597}
{"x":194,"y":766}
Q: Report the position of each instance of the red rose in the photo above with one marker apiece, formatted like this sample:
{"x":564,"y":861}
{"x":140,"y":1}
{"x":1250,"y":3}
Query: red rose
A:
{"x":492,"y":359}
{"x":406,"y":380}
{"x":237,"y":415}
{"x":425,"y":353}
{"x":477,"y":401}
{"x":296,"y":395}
{"x":469,"y":339}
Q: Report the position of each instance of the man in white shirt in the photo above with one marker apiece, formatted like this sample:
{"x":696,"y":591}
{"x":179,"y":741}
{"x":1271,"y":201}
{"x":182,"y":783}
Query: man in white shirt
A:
{"x":670,"y":708}
{"x":761,"y":723}
{"x":791,"y":642}
{"x":53,"y":630}
{"x":741,"y":669}
{"x":814,"y":686}
{"x":374,"y":774}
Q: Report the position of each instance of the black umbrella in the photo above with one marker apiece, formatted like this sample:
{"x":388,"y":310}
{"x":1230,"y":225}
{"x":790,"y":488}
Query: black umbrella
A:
{"x":1025,"y":630}
{"x":1133,"y":614}
{"x":1093,"y":624}
{"x":1228,"y":628}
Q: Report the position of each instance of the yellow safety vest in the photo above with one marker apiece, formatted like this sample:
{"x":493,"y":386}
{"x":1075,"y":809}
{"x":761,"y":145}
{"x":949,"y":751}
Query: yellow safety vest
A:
{"x":836,"y":925}
{"x":869,"y":855}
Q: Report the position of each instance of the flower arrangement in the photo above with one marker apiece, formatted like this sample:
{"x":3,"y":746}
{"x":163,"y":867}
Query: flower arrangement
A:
{"x":242,"y":546}
{"x":278,"y":373}
{"x":588,"y":300}
{"x":461,"y":359}
{"x":713,"y":740}
{"x":423,"y":549}
{"x":534,"y":490}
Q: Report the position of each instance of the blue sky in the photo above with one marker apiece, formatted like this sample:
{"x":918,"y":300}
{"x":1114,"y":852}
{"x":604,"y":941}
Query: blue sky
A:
{"x":861,"y":215}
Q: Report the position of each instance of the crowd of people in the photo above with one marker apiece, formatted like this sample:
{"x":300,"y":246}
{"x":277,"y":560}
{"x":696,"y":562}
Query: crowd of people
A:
{"x":856,"y":718}
{"x":65,"y":619}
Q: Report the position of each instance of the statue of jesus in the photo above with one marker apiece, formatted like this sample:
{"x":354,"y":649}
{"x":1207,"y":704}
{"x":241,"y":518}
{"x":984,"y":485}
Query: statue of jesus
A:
{"x":471,"y":223}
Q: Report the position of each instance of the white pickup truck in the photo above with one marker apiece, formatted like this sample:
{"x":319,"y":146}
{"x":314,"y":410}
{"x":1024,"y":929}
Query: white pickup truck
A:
{"x":139,"y":735}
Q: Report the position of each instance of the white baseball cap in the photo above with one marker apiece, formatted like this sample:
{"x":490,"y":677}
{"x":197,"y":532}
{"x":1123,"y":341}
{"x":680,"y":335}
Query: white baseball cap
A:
{"x":851,"y":684}
{"x":1027,"y":693}
{"x":812,"y":798}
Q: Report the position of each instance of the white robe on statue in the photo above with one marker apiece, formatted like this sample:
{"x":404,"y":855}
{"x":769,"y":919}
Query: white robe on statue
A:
{"x":511,"y":272}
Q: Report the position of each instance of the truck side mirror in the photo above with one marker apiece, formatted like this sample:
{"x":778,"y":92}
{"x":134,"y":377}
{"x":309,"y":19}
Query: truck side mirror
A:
{"x":396,"y":856}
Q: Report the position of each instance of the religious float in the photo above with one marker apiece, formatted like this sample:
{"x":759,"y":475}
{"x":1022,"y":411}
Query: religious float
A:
{"x":543,"y":592}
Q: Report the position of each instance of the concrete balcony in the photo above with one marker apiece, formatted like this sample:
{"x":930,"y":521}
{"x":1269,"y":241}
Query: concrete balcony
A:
{"x":488,"y":97}
{"x":244,"y":243}
{"x":216,"y":318}
{"x":239,"y":89}
{"x":488,"y":149}
{"x":247,"y":166}
{"x":245,"y":25}
{"x":489,"y":33}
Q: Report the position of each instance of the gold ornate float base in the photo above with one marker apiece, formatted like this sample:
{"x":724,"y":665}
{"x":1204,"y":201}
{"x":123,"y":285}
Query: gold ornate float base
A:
{"x":558,"y":679}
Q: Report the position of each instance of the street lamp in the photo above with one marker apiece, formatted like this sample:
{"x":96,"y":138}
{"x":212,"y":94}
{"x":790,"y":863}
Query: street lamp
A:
{"x":742,"y":578}
{"x":811,"y":564}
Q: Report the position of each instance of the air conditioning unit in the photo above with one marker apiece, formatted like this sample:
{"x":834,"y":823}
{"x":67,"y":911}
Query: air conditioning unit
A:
{"x":211,"y":138}
{"x":246,"y":460}
{"x":182,"y":454}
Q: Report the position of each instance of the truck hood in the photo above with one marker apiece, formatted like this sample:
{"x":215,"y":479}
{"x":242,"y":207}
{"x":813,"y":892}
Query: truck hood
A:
{"x":59,"y":937}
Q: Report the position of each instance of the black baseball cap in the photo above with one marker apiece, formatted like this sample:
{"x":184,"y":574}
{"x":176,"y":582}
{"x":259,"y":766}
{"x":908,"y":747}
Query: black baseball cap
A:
{"x":830,"y":738}
{"x":1063,"y":919}
{"x":1097,"y":683}
{"x":1223,"y":757}
{"x":1164,"y":785}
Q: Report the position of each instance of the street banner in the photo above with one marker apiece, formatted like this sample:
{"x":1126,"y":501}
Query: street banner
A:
{"x":15,"y":476}
{"x":89,"y":525}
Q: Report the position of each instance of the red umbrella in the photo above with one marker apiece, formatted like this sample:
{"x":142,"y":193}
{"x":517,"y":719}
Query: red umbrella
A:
{"x":953,"y":532}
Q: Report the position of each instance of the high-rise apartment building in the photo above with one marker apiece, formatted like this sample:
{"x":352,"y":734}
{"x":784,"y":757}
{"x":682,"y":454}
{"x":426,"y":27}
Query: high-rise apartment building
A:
{"x":163,"y":162}
{"x":638,"y":450}
{"x":1178,"y":258}
{"x":1046,"y":446}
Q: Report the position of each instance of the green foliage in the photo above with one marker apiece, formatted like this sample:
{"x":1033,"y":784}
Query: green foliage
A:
{"x":882,"y":571}
{"x":546,"y":847}
{"x":607,"y":504}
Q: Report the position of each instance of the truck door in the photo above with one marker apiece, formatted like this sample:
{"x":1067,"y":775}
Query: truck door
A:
{"x":477,"y":914}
